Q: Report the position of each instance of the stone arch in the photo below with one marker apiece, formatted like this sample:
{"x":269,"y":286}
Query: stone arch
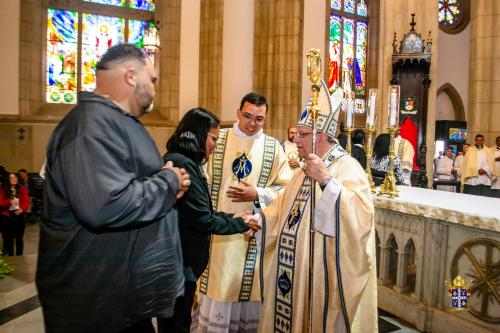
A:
{"x":392,"y":264}
{"x":456,"y":100}
{"x":411,"y":266}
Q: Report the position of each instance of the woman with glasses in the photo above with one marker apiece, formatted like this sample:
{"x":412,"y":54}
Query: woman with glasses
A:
{"x":193,"y":141}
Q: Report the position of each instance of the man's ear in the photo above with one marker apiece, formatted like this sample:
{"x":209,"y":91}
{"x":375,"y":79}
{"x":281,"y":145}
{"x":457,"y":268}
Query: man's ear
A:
{"x":130,"y":76}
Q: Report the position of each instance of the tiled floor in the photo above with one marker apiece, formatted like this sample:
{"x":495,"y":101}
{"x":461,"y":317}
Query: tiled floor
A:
{"x":20,"y":310}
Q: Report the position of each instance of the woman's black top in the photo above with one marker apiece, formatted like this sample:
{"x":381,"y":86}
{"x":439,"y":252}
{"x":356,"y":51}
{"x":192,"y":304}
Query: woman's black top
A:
{"x":197,"y":219}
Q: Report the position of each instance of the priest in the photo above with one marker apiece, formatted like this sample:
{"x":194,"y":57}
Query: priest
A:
{"x":344,"y":271}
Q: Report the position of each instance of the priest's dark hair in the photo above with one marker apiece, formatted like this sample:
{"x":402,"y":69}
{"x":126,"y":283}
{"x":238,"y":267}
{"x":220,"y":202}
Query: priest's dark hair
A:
{"x":255,"y":99}
{"x":121,"y":52}
{"x":381,"y":147}
{"x":190,"y":136}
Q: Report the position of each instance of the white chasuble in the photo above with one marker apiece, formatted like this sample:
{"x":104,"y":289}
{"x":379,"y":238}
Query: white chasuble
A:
{"x":233,"y":270}
{"x":344,"y":211}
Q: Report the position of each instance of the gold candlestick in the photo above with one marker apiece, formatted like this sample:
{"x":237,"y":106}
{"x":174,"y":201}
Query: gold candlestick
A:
{"x":369,"y":152}
{"x":348,"y":147}
{"x":389,"y":187}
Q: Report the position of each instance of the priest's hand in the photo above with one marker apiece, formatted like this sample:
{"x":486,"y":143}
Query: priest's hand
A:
{"x":244,"y":192}
{"x":182,"y":176}
{"x":316,"y":168}
{"x":254,"y":222}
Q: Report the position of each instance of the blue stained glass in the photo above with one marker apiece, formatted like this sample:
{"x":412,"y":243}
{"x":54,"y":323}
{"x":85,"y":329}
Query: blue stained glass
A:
{"x":143,"y":4}
{"x":136,"y":32}
{"x":360,"y":61}
{"x":336,"y":4}
{"x":362,"y":8}
{"x":349,"y":6}
{"x":120,"y":3}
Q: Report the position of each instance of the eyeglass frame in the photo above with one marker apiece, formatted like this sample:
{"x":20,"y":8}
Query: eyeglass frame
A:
{"x":248,"y":117}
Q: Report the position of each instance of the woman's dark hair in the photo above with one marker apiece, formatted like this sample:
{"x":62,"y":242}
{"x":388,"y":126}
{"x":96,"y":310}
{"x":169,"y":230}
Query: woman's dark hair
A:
{"x":6,"y":186}
{"x":191,"y":134}
{"x":381,"y":147}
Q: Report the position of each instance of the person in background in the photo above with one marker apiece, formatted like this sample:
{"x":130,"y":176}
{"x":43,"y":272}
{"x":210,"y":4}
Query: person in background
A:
{"x":495,"y":183}
{"x":457,"y":163}
{"x":380,"y":161}
{"x":435,"y":163}
{"x":342,"y":139}
{"x":3,"y":174}
{"x":358,"y":151}
{"x":290,"y":148}
{"x":446,"y":171}
{"x":476,"y":169}
{"x":404,"y":150}
{"x":14,"y":202}
{"x":27,"y":182}
{"x":193,"y":141}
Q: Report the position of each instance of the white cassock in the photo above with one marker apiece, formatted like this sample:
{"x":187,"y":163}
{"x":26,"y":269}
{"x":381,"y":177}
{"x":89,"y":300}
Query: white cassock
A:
{"x":444,"y":167}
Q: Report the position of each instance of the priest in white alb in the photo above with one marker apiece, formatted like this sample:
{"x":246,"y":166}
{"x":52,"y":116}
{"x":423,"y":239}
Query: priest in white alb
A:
{"x":446,"y":171}
{"x":344,"y":273}
{"x":246,"y":172}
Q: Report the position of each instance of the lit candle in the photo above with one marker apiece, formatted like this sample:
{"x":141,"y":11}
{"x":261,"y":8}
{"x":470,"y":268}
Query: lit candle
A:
{"x":372,"y":102}
{"x":350,"y":109}
{"x":393,"y":106}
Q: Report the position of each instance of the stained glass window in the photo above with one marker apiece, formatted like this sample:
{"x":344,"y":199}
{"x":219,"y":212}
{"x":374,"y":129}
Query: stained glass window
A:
{"x":448,"y":11}
{"x":99,"y":33}
{"x":143,"y":4}
{"x":453,"y":15}
{"x":136,"y":30}
{"x":349,"y":6}
{"x":336,"y":4}
{"x":70,"y":65}
{"x":120,"y":3}
{"x":347,"y":47}
{"x":62,"y":48}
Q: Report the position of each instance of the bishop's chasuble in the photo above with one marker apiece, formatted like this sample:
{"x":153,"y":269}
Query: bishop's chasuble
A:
{"x":232,"y":274}
{"x":345,"y":209}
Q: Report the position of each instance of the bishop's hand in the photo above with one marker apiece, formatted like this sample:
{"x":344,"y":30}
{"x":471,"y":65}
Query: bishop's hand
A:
{"x":316,"y":168}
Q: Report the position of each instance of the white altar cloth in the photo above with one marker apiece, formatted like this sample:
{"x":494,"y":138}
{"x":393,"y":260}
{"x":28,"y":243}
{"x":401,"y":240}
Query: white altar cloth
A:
{"x":469,"y":210}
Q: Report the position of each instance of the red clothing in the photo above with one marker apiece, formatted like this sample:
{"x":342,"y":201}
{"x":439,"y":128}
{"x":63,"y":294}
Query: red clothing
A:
{"x":409,"y":131}
{"x":24,"y":201}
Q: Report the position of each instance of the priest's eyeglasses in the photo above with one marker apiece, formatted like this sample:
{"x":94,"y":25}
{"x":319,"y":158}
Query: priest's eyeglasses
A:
{"x":258,"y":119}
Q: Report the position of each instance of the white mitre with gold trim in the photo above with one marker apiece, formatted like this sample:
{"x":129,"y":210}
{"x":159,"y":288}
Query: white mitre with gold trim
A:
{"x":329,"y":110}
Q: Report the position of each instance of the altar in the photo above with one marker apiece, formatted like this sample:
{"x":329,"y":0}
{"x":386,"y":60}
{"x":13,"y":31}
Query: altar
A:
{"x":426,"y":237}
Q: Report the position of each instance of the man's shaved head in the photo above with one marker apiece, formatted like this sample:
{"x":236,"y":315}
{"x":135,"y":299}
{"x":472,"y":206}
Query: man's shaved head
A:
{"x":126,"y":75}
{"x":120,"y":53}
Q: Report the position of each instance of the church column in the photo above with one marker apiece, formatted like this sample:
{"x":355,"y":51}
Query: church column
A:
{"x":211,"y":28}
{"x":400,"y":285}
{"x":277,"y":61}
{"x":168,"y":14}
{"x":484,"y":89}
{"x":385,"y":251}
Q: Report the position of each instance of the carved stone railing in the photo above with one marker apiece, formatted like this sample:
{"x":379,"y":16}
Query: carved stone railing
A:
{"x":427,"y":237}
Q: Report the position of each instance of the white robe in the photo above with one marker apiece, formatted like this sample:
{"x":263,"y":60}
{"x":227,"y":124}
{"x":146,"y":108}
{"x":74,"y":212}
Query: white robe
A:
{"x":444,"y":167}
{"x":345,"y":202}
